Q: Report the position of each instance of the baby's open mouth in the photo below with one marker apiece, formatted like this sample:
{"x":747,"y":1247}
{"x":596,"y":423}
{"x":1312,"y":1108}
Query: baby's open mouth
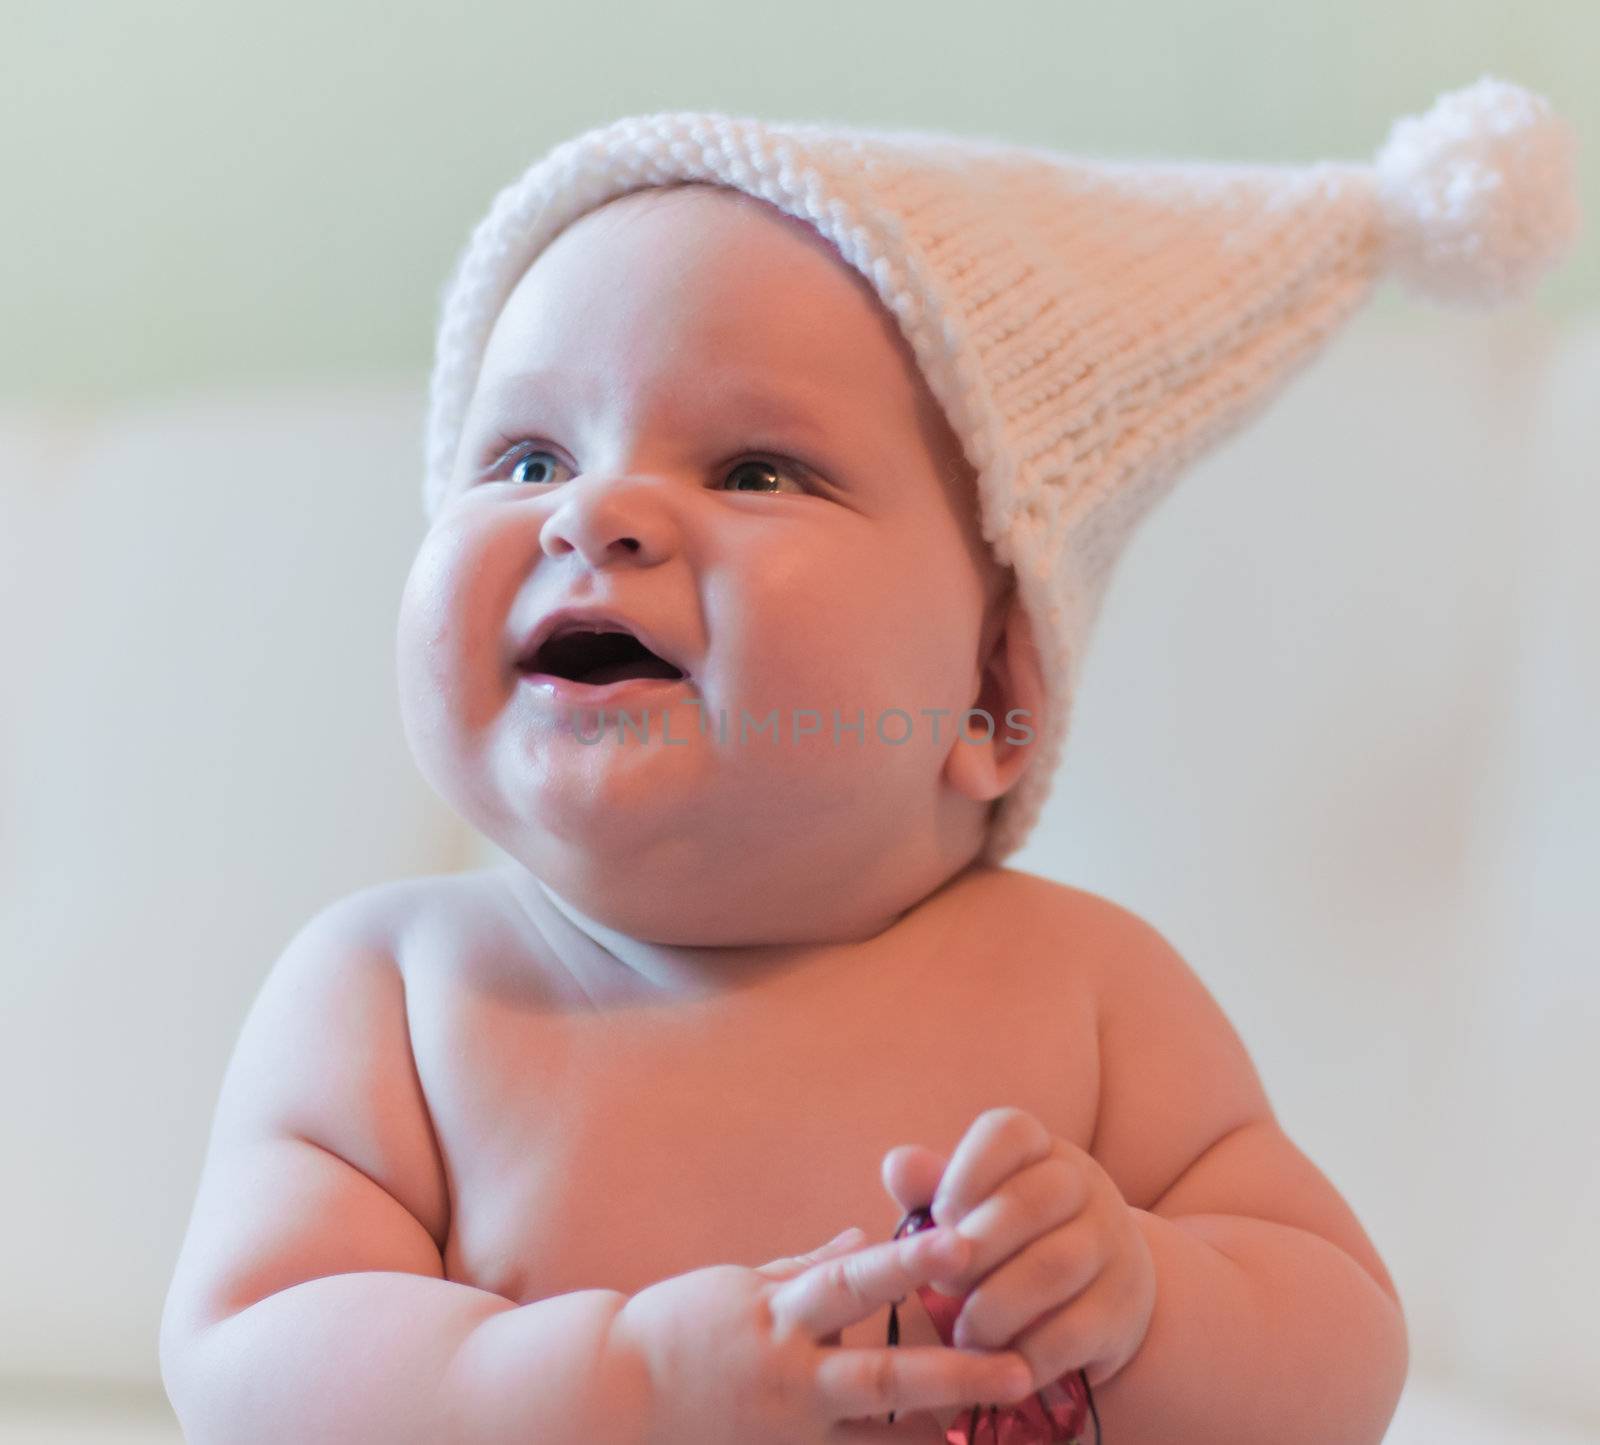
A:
{"x":597,"y":657}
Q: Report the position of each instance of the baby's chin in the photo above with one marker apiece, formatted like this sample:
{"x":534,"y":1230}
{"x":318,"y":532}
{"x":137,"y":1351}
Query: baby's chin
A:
{"x":680,"y":823}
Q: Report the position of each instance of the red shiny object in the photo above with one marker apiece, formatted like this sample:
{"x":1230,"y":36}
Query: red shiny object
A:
{"x":1058,"y":1414}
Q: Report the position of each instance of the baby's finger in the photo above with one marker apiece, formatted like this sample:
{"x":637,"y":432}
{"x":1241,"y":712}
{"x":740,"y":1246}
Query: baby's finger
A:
{"x":856,"y":1383}
{"x":839,"y":1291}
{"x":789,"y":1267}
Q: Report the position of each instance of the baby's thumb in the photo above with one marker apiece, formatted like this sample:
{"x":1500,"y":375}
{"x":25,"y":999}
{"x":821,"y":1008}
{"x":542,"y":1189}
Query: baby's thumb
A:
{"x":788,"y":1268}
{"x":911,"y":1174}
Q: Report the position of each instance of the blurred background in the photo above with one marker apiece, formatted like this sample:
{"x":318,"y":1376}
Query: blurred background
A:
{"x":1336,"y":738}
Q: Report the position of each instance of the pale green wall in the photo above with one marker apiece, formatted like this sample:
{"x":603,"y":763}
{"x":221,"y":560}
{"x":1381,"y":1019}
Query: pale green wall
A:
{"x":203,"y":192}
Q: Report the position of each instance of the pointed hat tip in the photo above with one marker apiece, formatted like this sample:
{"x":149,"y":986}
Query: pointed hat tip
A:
{"x":1479,"y":195}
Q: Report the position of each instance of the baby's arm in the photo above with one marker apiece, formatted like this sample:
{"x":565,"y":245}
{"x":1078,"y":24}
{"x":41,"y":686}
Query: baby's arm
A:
{"x":1274,"y":1318}
{"x":309,"y":1300}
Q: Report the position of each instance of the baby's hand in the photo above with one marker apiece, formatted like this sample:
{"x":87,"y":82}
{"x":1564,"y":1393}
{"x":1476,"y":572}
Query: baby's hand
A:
{"x":1059,"y":1273}
{"x":736,"y":1355}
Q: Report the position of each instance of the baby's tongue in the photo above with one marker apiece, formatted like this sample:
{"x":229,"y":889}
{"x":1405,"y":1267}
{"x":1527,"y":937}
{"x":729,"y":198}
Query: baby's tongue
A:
{"x":629,"y":667}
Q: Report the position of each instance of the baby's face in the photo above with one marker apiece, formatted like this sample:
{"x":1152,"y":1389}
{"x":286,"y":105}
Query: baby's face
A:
{"x":693,"y":413}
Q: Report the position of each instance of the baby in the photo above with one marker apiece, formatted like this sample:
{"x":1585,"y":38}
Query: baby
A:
{"x":710,"y":635}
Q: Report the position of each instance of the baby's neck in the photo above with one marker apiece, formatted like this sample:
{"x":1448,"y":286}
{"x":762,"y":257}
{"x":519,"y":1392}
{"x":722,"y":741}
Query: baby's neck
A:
{"x":614,"y":967}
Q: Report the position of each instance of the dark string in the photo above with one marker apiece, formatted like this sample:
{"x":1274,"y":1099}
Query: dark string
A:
{"x":919,"y":1219}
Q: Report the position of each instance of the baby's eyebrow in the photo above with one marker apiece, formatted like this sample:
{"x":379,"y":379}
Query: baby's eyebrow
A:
{"x":790,"y":407}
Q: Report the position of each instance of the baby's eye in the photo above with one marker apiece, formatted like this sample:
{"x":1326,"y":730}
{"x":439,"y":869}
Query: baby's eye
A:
{"x":534,"y":455}
{"x":760,"y":464}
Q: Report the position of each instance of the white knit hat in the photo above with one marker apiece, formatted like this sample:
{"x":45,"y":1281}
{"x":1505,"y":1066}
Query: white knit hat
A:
{"x":1090,"y":327}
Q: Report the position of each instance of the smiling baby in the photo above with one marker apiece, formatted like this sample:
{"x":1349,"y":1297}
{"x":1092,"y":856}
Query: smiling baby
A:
{"x":775,"y":474}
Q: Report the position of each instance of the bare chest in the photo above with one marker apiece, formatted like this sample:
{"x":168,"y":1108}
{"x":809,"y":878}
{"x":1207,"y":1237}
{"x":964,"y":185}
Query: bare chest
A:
{"x":611,"y":1150}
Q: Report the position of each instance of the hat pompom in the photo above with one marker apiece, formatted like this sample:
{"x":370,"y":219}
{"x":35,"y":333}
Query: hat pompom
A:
{"x":1479,"y":195}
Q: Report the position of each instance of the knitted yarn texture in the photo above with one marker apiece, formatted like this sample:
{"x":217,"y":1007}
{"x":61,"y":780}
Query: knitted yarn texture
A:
{"x":1090,"y":327}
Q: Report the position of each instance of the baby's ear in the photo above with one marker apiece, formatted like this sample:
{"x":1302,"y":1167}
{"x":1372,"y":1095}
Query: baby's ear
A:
{"x":994,"y":743}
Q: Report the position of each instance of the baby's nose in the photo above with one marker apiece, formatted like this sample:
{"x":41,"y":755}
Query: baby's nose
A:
{"x":610,"y":519}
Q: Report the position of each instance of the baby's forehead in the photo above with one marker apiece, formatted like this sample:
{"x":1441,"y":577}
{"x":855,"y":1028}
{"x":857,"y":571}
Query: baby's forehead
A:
{"x":683,"y":278}
{"x":707,"y":242}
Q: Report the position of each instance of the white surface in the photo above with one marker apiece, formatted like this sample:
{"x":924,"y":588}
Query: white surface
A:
{"x":1435,"y":1414}
{"x":1335,"y":739}
{"x":73,"y":1427}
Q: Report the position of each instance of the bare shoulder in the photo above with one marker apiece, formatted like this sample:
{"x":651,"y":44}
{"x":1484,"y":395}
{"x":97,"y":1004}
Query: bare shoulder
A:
{"x":432,"y":925}
{"x":386,"y":914}
{"x":1024,"y":898}
{"x":1076,"y":924}
{"x":1129,"y":961}
{"x":325,"y":1050}
{"x":378,"y":915}
{"x":1184,"y":1125}
{"x":1061,"y":931}
{"x":1175,"y":1075}
{"x":322,"y":1156}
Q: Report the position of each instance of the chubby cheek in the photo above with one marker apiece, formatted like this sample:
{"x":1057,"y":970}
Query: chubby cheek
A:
{"x":782,"y":627}
{"x":858,"y":633}
{"x":450,"y":644}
